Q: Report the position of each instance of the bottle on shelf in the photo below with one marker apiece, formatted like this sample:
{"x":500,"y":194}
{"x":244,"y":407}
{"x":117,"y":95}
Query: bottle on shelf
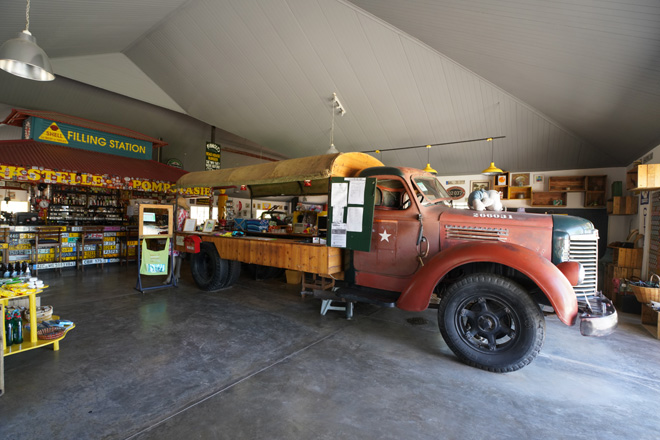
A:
{"x":9,"y":328}
{"x":18,"y":327}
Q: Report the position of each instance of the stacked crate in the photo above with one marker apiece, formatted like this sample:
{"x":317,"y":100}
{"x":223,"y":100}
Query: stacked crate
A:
{"x":626,"y":265}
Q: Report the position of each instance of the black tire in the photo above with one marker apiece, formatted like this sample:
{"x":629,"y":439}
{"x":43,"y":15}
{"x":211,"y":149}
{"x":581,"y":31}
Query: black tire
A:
{"x":234,"y":271}
{"x":490,"y":322}
{"x":209,"y":271}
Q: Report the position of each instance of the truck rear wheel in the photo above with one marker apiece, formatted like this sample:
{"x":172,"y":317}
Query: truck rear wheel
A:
{"x":490,"y":322}
{"x":233,"y":272}
{"x":209,"y":271}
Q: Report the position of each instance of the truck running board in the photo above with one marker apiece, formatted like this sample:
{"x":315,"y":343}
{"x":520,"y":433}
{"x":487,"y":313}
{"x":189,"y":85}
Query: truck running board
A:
{"x":382,"y":298}
{"x":350,"y":295}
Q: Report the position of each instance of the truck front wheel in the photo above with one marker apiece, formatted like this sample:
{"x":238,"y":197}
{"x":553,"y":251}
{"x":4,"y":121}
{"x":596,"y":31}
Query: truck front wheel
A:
{"x":209,"y":270}
{"x":491,"y":323}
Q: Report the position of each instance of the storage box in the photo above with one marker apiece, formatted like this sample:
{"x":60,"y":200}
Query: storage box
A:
{"x":648,"y":176}
{"x":629,"y":258}
{"x":622,"y":206}
{"x":293,"y":277}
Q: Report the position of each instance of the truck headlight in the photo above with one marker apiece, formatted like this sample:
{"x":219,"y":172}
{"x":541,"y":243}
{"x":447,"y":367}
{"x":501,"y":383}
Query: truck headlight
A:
{"x":573,"y":271}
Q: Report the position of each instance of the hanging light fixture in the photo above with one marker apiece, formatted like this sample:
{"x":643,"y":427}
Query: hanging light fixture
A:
{"x":22,"y":57}
{"x":336,"y":107}
{"x":428,"y":168}
{"x":492,"y":170}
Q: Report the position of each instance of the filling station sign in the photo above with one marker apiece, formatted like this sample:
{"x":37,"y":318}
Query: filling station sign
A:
{"x":60,"y":133}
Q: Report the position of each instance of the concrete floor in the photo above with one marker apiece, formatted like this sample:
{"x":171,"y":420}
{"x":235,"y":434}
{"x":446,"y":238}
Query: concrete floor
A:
{"x":257,"y":361}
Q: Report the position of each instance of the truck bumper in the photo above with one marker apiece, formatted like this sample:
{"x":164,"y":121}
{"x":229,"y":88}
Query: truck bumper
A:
{"x":597,"y":316}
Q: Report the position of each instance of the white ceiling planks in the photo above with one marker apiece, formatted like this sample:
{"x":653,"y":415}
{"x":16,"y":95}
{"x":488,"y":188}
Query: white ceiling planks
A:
{"x":571,"y":84}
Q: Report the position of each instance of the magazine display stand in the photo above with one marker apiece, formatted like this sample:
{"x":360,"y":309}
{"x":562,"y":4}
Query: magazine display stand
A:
{"x":156,"y":224}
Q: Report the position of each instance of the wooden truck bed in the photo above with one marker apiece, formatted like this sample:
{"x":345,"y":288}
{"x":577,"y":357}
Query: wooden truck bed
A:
{"x":286,"y":253}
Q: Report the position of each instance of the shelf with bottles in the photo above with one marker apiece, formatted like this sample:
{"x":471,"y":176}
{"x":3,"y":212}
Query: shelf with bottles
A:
{"x":85,"y":204}
{"x":30,"y":338}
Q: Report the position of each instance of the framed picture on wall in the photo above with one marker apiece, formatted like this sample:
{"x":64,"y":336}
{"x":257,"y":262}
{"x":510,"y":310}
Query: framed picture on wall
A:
{"x":520,"y":179}
{"x":479,"y":184}
{"x":538,"y":178}
{"x":500,"y":180}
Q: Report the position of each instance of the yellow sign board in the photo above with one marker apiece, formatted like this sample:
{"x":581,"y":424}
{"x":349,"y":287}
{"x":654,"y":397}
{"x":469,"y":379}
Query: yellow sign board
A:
{"x":54,"y":134}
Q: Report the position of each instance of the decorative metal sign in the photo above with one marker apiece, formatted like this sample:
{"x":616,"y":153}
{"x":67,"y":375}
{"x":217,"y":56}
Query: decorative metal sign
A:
{"x":212,"y":156}
{"x":456,"y":192}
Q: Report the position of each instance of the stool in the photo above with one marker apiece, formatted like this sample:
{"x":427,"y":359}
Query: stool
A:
{"x":47,"y":237}
{"x":328,"y":297}
{"x":326,"y":305}
{"x":90,"y":235}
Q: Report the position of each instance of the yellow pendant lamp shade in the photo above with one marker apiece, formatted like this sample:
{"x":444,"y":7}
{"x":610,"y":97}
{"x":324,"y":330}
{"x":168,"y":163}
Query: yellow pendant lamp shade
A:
{"x":492,"y":170}
{"x":428,"y":169}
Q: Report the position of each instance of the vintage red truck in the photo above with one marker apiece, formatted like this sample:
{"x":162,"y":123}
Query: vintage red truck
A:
{"x":495,"y":273}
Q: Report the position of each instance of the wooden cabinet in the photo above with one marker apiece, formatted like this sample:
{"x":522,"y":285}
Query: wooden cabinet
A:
{"x":594,"y":196}
{"x":519,"y":192}
{"x":567,"y":183}
{"x":549,"y":198}
{"x":503,"y":184}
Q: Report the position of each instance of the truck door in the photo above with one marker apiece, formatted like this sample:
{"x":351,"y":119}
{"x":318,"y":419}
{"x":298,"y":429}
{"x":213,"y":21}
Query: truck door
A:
{"x":394,"y":236}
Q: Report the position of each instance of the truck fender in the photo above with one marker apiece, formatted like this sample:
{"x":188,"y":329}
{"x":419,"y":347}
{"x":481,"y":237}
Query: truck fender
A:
{"x":554,"y":284}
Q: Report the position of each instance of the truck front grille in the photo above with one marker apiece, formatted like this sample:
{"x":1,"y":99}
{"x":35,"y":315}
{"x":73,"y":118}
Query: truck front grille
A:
{"x":477,"y":233}
{"x":584,"y":248}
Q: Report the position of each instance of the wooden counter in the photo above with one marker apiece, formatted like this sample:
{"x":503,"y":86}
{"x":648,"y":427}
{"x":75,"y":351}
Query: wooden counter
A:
{"x":286,"y":253}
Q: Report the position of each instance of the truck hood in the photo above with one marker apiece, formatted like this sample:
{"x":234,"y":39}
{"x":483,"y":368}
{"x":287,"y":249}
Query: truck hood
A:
{"x":533,"y":231}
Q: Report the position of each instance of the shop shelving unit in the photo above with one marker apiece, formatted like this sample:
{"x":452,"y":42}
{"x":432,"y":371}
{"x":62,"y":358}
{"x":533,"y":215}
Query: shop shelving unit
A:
{"x":88,"y":205}
{"x":30,"y":339}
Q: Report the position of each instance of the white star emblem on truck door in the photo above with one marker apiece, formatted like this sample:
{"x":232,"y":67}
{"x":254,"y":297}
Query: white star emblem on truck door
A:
{"x":384,"y":236}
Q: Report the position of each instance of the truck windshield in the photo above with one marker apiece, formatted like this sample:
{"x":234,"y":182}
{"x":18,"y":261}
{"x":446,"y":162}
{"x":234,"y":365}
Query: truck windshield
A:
{"x":432,"y":190}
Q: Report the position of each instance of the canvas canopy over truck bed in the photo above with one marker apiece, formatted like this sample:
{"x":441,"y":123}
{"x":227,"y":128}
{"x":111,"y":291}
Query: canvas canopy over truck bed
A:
{"x":276,"y":179}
